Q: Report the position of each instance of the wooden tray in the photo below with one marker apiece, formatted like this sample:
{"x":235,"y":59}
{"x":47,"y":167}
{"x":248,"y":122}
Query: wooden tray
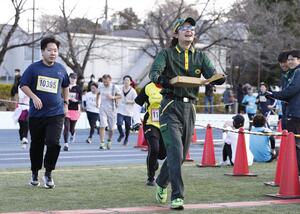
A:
{"x":185,"y":81}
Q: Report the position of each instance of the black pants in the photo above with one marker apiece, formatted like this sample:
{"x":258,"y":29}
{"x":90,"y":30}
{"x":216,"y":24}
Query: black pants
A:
{"x":92,"y":118}
{"x":293,"y":125}
{"x":156,"y":149}
{"x":69,"y":125}
{"x":250,"y":117}
{"x":127,"y":120}
{"x":45,"y":131}
{"x":23,"y":130}
{"x":227,"y":152}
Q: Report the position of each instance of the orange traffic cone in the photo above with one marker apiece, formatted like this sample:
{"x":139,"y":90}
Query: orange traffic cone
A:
{"x":208,"y":156}
{"x":289,"y":182}
{"x":279,"y":128}
{"x":241,"y":161}
{"x":283,"y":143}
{"x":140,"y":141}
{"x":194,"y":138}
{"x":145,"y":145}
{"x":188,"y":157}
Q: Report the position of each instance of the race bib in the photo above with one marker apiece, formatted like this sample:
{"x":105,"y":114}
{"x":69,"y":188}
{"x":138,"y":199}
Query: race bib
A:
{"x":72,"y":96}
{"x":262,"y":99}
{"x":47,"y":84}
{"x":155,"y":115}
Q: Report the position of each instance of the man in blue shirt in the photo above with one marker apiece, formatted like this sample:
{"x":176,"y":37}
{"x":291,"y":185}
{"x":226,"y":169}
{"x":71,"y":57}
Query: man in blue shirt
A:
{"x":46,"y":83}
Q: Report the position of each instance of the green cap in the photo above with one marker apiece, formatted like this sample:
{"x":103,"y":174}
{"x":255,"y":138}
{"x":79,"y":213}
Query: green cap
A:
{"x":180,"y":21}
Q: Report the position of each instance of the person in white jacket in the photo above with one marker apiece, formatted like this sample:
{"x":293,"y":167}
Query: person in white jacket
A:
{"x":21,"y":116}
{"x":92,"y":109}
{"x":231,"y":138}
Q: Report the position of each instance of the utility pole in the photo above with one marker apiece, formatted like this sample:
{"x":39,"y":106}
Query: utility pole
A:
{"x":106,"y":10}
{"x":33,"y":23}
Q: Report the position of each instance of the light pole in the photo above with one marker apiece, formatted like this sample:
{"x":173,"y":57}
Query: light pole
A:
{"x":33,"y":23}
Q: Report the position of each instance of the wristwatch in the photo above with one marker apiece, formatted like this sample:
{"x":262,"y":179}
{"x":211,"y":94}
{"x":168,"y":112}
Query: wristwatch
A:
{"x":66,"y":102}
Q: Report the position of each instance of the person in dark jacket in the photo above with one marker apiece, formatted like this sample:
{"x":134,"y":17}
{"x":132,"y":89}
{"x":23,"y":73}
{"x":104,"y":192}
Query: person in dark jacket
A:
{"x":291,"y":95}
{"x":286,"y":74}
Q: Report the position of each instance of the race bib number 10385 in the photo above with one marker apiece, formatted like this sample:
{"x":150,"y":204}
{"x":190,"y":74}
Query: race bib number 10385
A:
{"x":47,"y":84}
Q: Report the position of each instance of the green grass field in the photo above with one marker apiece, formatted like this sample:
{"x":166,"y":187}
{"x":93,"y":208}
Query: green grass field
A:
{"x":118,"y":186}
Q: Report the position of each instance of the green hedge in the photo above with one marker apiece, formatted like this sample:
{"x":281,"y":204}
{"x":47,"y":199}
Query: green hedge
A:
{"x":5,"y":91}
{"x":5,"y":95}
{"x":217,"y":101}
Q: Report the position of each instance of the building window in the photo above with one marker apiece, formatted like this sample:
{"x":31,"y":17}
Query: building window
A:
{"x":28,"y":53}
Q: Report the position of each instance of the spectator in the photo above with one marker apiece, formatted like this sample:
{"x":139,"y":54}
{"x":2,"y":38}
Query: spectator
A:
{"x":209,"y":98}
{"x":250,"y":102}
{"x":227,"y":152}
{"x":291,"y":95}
{"x":228,"y":99}
{"x":14,"y":89}
{"x":262,"y":147}
{"x":240,"y":96}
{"x":286,"y":75}
{"x":231,"y":138}
{"x":92,"y":80}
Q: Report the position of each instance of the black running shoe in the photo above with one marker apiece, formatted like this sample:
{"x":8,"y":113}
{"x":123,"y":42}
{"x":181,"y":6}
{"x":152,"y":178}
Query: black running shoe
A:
{"x":48,"y":181}
{"x":34,"y":180}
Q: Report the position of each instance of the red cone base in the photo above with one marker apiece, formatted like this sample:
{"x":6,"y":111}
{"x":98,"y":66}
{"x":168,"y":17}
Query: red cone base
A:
{"x":271,"y":184}
{"x":289,"y":183}
{"x":277,"y":178}
{"x":188,"y":157}
{"x":208,"y":156}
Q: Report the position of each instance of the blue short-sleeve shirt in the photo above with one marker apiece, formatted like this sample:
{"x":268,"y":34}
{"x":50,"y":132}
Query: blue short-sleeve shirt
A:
{"x":46,"y":82}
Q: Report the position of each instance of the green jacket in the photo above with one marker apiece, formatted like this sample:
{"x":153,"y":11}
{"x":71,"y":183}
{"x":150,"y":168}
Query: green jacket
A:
{"x":175,"y":61}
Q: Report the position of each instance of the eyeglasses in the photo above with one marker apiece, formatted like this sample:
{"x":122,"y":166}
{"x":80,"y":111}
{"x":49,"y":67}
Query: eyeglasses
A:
{"x":187,"y":27}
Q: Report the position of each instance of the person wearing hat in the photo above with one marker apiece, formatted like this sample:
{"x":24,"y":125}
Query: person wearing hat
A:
{"x":75,"y":98}
{"x":177,"y":110}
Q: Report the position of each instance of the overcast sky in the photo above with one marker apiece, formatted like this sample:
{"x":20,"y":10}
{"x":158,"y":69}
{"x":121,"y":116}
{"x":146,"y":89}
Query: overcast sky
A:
{"x":88,"y":8}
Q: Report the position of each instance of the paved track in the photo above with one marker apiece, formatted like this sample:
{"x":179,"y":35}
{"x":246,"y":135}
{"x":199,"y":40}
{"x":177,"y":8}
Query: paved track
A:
{"x":83,"y":154}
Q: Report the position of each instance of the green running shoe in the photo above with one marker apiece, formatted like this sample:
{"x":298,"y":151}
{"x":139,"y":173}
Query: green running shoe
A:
{"x":161,"y":194}
{"x":177,"y":204}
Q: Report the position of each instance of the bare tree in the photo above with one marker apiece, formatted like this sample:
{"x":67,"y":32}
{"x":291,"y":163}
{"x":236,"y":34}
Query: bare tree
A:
{"x":268,"y":33}
{"x":158,"y":26}
{"x":76,"y":55}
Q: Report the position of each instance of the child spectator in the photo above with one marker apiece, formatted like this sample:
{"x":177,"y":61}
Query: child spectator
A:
{"x":227,"y":152}
{"x":262,"y":147}
{"x":232,"y":138}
